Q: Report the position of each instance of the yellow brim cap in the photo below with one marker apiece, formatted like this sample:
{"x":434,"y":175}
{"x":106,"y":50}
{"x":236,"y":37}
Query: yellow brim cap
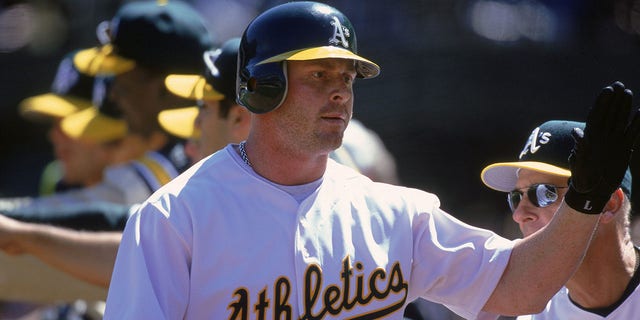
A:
{"x":90,"y":124}
{"x":504,"y":175}
{"x":192,"y":87}
{"x":364,"y":67}
{"x":51,"y":105}
{"x":102,"y":61}
{"x":180,"y":122}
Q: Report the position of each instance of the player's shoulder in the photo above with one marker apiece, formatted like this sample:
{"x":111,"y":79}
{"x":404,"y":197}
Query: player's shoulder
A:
{"x":355,"y":183}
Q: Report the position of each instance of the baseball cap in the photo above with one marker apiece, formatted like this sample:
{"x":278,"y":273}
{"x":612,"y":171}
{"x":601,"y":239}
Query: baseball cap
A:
{"x":164,"y":35}
{"x":218,"y":82}
{"x":102,"y":122}
{"x":70,"y":92}
{"x":180,"y":122}
{"x":547,"y":151}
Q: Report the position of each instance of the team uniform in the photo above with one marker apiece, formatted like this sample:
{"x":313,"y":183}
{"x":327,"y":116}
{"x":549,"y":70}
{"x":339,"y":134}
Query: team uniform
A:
{"x":312,"y":261}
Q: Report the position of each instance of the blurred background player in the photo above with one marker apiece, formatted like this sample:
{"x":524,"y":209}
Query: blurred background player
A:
{"x":77,"y":163}
{"x":217,"y":120}
{"x":79,"y":167}
{"x":175,"y":38}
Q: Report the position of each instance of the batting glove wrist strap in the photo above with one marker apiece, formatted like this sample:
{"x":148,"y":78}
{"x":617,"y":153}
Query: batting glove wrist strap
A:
{"x":585,"y":202}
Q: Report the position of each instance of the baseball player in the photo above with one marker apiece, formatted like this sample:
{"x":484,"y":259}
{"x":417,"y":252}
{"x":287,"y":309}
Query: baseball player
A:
{"x":605,"y":285}
{"x":79,"y":162}
{"x":218,"y":120}
{"x":271,"y":228}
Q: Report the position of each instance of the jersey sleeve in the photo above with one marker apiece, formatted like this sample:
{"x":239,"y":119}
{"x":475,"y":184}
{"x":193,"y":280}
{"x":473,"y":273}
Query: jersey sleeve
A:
{"x":151,"y":274}
{"x":457,"y":264}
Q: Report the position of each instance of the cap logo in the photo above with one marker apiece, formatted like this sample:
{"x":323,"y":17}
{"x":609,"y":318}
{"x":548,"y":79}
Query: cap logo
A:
{"x":103,"y":32}
{"x":66,"y":77}
{"x":535,"y":141}
{"x":340,"y":33}
{"x":210,"y":58}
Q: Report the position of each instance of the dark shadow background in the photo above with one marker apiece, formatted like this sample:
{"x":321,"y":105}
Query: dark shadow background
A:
{"x":463,"y":82}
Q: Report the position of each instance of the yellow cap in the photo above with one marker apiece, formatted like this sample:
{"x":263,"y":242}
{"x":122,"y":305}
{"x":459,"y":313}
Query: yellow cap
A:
{"x":102,"y":61}
{"x":90,"y":124}
{"x":51,"y":105}
{"x":180,"y":122}
{"x":190,"y":86}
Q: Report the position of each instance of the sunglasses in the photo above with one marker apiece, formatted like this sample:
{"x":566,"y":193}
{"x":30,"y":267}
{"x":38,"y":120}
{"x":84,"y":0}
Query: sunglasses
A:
{"x":540,"y":195}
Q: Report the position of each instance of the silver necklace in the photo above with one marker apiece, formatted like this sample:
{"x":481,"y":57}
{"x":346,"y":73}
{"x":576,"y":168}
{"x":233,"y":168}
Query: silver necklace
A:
{"x":243,"y":153}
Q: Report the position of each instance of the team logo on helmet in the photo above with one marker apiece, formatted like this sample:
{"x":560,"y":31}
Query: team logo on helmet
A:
{"x":340,"y":33}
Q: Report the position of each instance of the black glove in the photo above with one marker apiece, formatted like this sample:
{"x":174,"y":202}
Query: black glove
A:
{"x":602,"y":152}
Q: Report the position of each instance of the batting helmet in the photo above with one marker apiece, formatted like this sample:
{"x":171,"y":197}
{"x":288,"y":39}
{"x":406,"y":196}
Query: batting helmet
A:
{"x":293,"y":31}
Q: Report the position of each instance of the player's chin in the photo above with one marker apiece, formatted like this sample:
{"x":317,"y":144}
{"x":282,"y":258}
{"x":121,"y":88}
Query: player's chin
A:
{"x":335,"y":143}
{"x":329,"y":140}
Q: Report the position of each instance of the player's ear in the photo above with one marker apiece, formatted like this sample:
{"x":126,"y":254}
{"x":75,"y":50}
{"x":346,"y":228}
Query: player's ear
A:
{"x":239,"y":114}
{"x":612,"y":207}
{"x":240,"y":122}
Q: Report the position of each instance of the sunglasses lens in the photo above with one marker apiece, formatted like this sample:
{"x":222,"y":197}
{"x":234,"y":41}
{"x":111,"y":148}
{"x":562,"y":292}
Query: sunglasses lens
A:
{"x":514,"y":198}
{"x":542,"y":195}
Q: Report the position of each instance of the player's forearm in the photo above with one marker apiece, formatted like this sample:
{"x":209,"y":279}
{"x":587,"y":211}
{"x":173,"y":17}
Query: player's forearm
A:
{"x":542,"y":263}
{"x":89,"y":256}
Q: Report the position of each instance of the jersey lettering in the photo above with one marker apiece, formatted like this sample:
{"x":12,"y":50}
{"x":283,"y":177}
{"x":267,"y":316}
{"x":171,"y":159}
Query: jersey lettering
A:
{"x":262,"y":305}
{"x":240,"y":306}
{"x":321,"y":300}
{"x":281,"y":308}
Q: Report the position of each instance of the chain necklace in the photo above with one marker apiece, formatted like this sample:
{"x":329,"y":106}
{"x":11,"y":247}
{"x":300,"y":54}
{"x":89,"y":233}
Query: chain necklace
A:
{"x":243,"y":153}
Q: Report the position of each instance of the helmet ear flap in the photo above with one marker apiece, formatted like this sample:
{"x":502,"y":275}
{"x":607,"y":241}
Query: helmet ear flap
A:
{"x":263,"y":87}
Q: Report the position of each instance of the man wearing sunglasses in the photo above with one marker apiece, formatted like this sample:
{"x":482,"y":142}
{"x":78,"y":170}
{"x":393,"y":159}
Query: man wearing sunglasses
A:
{"x":605,"y":285}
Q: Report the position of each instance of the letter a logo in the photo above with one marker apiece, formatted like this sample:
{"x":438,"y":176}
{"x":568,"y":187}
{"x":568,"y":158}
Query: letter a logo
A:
{"x":340,"y":34}
{"x":536,"y":140}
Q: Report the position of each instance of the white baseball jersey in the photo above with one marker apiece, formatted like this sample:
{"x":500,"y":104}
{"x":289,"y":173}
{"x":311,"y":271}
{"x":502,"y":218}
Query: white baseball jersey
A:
{"x":220,"y":242}
{"x":560,"y":307}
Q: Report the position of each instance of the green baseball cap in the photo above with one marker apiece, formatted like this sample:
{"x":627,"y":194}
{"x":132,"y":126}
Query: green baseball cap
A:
{"x":547,"y":151}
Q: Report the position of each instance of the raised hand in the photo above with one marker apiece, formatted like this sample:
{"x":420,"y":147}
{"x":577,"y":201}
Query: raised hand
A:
{"x":603,"y":151}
